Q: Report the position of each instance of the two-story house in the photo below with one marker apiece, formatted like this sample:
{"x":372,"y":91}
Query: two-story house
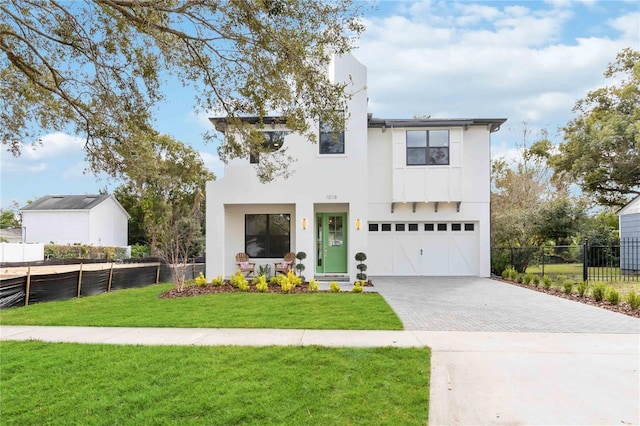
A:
{"x":412,"y":194}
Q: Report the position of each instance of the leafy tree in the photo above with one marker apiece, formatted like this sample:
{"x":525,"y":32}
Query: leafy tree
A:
{"x":164,"y":196}
{"x":601,"y":148}
{"x":95,"y":68}
{"x":529,"y":207}
{"x":8,"y":219}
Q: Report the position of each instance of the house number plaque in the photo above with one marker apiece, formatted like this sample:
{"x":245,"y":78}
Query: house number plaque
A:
{"x":332,"y":197}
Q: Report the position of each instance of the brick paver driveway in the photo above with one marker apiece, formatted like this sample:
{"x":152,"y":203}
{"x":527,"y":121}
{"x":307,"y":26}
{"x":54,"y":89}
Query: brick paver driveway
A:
{"x":480,"y":304}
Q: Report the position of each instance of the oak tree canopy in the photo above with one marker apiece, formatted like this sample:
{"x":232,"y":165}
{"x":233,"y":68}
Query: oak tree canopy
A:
{"x":97,"y":68}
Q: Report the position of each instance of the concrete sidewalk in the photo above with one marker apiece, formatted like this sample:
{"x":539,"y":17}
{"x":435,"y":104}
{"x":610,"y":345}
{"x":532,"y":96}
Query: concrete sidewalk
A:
{"x":476,"y":377}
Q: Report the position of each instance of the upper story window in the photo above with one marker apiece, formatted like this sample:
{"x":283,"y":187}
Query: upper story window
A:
{"x":273,"y":141}
{"x":331,"y":140}
{"x":425,"y":147}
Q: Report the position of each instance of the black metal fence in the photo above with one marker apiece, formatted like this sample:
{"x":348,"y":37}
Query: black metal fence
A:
{"x":30,"y":289}
{"x":585,"y":262}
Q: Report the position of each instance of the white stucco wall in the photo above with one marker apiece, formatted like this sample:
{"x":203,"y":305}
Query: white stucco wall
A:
{"x":316,"y":181}
{"x":363,"y":182}
{"x":59,"y":227}
{"x":108,"y":224}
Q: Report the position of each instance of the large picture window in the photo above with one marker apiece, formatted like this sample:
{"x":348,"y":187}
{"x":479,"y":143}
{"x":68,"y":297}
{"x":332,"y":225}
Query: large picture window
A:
{"x":267,"y":235}
{"x":427,"y":147}
{"x":331,"y":140}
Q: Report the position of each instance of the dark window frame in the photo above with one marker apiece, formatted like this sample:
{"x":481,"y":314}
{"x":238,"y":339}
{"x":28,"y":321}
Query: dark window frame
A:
{"x":430,"y":154}
{"x":330,"y":141}
{"x":386,"y":227}
{"x":273,"y":141}
{"x":373,"y":227}
{"x":268,"y":239}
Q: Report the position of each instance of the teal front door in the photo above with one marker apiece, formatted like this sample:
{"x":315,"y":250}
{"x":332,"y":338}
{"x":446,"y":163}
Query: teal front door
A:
{"x":331,"y":242}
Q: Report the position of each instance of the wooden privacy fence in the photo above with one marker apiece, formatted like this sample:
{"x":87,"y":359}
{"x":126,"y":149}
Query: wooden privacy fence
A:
{"x":36,"y":288}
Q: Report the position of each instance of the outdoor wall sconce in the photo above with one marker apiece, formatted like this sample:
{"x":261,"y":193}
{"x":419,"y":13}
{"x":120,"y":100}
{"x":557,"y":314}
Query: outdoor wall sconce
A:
{"x":304,"y":223}
{"x":358,"y":224}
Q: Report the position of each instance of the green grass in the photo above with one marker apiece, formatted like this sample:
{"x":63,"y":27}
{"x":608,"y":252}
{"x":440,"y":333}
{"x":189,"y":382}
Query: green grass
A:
{"x":62,"y":384}
{"x":573,"y":271}
{"x":141,"y":307}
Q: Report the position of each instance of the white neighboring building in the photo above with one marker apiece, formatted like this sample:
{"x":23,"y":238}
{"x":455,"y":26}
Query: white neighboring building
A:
{"x":629,"y":225}
{"x":97,"y":220}
{"x":412,"y":194}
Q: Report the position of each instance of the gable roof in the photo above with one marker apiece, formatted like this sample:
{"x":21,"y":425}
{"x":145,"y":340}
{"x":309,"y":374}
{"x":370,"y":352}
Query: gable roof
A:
{"x":70,"y":202}
{"x":631,"y":207}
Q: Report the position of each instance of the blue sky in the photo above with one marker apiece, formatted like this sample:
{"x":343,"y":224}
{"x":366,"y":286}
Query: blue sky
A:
{"x":526,"y":61}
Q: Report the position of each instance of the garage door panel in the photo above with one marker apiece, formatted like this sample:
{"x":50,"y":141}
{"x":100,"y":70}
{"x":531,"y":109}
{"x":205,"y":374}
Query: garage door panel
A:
{"x":435,"y":258}
{"x":463,"y":255}
{"x":406,"y":255}
{"x":431,"y":249}
{"x":380,"y":254}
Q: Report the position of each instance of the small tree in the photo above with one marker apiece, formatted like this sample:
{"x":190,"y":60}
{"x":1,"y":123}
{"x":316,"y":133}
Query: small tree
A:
{"x":361,"y":257}
{"x":300,"y":267}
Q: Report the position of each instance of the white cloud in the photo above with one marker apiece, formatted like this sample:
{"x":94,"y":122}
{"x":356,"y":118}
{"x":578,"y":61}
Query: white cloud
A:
{"x":52,"y":145}
{"x":504,"y":62}
{"x":629,"y":25}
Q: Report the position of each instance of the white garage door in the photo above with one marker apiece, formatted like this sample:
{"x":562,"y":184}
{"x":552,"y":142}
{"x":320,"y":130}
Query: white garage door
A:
{"x":423,"y":248}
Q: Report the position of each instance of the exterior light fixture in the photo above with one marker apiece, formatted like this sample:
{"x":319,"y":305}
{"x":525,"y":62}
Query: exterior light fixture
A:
{"x":358,"y":224}
{"x":304,"y":223}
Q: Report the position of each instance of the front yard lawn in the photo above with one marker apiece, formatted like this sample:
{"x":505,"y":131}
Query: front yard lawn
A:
{"x":141,"y":307}
{"x":63,"y":383}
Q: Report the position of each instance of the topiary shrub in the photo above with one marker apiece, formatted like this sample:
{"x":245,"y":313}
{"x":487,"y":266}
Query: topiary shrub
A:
{"x":299,"y":266}
{"x":361,"y":257}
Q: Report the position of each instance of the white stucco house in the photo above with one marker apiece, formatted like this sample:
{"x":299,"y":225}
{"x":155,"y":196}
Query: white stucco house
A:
{"x":98,"y":220}
{"x":629,"y":223}
{"x":413,"y":194}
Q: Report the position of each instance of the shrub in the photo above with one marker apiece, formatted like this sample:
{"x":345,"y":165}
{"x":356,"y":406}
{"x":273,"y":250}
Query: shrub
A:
{"x":294,"y":279}
{"x":286,"y":286}
{"x":334,"y":287}
{"x":612,"y":296}
{"x":261,"y":284}
{"x":513,"y":274}
{"x":139,"y":250}
{"x":217,"y":281}
{"x":243,"y":285}
{"x":358,"y":286}
{"x":560,"y":279}
{"x":528,"y":278}
{"x":313,"y":285}
{"x":201,"y":281}
{"x":264,"y":270}
{"x":361,"y":257}
{"x":536,"y":281}
{"x":506,"y":273}
{"x":300,"y":267}
{"x":238,"y":280}
{"x":633,"y":300}
{"x":275,"y":280}
{"x":546,"y":282}
{"x":567,"y":286}
{"x":582,"y":287}
{"x":520,"y":278}
{"x":598,"y":291}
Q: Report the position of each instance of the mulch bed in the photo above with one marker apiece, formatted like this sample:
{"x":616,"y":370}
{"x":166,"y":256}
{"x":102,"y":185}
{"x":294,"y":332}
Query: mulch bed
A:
{"x":621,"y":308}
{"x":194,"y":290}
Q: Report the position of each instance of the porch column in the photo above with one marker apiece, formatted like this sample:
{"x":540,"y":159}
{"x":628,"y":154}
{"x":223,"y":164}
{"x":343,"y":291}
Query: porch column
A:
{"x":305,"y":238}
